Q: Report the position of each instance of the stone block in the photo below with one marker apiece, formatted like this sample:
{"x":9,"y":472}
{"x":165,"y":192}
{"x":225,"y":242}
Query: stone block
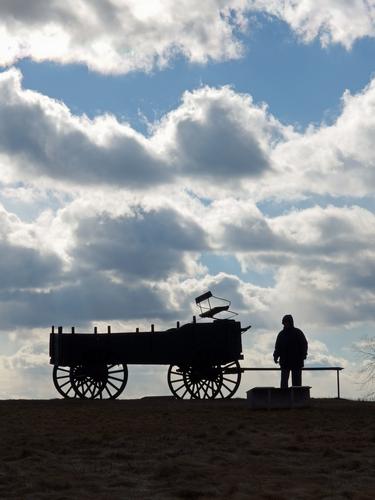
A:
{"x":267,"y":398}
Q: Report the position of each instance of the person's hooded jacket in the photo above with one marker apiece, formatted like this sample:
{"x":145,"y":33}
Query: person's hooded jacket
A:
{"x":290,"y":348}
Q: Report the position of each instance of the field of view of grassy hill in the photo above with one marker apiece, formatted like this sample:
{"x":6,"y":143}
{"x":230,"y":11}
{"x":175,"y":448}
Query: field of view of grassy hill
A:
{"x":162,"y":448}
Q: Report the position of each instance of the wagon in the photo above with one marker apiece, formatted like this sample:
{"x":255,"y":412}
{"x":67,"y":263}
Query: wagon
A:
{"x":203,"y":357}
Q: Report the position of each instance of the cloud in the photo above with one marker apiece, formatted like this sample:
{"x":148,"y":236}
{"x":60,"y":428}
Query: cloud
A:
{"x":94,"y":297}
{"x":336,"y":159}
{"x":219,"y":134}
{"x":22,"y":264}
{"x":213,"y":133}
{"x":118,"y":36}
{"x":332,"y":21}
{"x":216,"y":142}
{"x":146,"y":245}
{"x":321,"y":259}
{"x":67,"y":148}
{"x":26,"y":268}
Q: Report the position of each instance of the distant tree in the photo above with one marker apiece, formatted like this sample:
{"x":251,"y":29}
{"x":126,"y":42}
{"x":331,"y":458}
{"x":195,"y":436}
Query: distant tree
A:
{"x":366,"y":348}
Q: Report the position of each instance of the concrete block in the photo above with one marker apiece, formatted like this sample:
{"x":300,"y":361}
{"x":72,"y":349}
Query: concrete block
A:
{"x":261,"y":398}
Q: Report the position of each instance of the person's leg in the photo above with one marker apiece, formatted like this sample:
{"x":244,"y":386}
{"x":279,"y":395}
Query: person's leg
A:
{"x":296,"y":377}
{"x":284,"y":378}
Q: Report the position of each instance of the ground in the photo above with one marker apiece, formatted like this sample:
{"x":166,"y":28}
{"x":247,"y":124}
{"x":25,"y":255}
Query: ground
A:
{"x":161,"y":448}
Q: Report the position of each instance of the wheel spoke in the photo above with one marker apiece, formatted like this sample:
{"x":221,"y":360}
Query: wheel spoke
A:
{"x":110,"y":383}
{"x":207,"y":385}
{"x":179,"y":387}
{"x":115,"y":378}
{"x":227,"y":387}
{"x":229,"y":380}
{"x":64,"y":384}
{"x":70,"y":388}
{"x":183,"y":395}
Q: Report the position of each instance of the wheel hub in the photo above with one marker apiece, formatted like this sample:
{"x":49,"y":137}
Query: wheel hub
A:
{"x":96,"y":373}
{"x":209,"y":373}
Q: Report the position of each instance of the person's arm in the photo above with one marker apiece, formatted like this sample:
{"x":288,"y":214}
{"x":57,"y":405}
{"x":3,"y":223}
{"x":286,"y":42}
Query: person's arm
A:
{"x":304,"y":345}
{"x":276,"y":352}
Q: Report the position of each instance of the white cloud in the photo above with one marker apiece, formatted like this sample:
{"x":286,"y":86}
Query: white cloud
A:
{"x":337,"y":159}
{"x":219,"y":134}
{"x":216,"y":142}
{"x":68,"y":148}
{"x":321,"y":260}
{"x":214,"y":133}
{"x":332,"y":21}
{"x":118,"y":36}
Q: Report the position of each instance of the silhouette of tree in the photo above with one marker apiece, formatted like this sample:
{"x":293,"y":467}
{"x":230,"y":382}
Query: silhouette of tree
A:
{"x":366,"y":348}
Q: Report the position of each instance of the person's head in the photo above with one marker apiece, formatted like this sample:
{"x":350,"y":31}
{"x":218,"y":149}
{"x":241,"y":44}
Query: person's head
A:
{"x":288,"y":320}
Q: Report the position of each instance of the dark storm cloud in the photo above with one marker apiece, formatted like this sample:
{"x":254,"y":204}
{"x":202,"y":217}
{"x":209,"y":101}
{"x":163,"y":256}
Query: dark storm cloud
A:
{"x":253,"y":235}
{"x":148,"y":245}
{"x":219,"y":146}
{"x":22,"y":267}
{"x":91,"y":298}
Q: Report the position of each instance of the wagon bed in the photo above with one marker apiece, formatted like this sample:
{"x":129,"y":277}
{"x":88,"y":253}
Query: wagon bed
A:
{"x":203,"y":359}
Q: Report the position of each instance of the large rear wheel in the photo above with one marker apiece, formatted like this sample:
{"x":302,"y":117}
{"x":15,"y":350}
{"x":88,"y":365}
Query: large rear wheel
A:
{"x":99,"y":381}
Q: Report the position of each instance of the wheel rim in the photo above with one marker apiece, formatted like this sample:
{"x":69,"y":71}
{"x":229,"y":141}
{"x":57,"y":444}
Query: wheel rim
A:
{"x":99,"y":381}
{"x":62,"y":382}
{"x":231,"y":380}
{"x":117,"y":377}
{"x":176,"y":382}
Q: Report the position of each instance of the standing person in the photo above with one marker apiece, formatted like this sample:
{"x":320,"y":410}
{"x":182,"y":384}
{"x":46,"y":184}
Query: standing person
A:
{"x":290,"y":352}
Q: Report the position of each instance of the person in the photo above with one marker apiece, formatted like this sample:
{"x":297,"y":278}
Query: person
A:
{"x":290,"y":351}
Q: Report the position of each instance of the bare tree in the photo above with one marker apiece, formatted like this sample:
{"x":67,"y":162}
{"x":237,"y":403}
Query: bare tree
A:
{"x":366,"y":349}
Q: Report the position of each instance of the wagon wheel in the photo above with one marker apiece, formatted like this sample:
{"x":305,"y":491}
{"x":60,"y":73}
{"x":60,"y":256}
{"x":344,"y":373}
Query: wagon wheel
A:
{"x":176,"y":382}
{"x":62,"y":382}
{"x":194,"y":382}
{"x":99,"y":381}
{"x":117,"y":378}
{"x":231,"y":378}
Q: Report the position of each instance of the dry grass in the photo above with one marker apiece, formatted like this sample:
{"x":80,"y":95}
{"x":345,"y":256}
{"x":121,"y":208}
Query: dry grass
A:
{"x":163,"y":449}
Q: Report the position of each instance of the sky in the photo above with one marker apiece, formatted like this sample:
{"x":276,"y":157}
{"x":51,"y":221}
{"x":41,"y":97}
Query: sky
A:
{"x":151,"y":151}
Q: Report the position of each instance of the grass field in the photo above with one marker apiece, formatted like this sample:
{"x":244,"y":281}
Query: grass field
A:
{"x":161,"y":448}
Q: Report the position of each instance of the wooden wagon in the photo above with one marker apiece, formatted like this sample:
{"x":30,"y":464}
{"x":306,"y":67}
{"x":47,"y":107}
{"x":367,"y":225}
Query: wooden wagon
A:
{"x":203,"y":358}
